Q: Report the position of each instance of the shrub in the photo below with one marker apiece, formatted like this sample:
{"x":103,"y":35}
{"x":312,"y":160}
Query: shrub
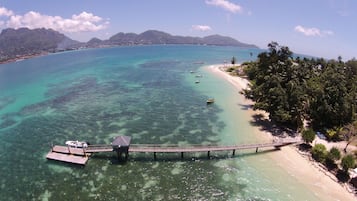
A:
{"x":334,"y":134}
{"x":231,"y":69}
{"x":334,"y":154}
{"x":308,"y":135}
{"x":348,"y":162}
{"x":319,"y":152}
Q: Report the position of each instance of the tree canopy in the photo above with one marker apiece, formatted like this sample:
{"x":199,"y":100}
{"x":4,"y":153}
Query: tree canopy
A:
{"x":292,"y":89}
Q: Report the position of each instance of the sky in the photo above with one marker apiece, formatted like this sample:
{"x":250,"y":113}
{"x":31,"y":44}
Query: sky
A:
{"x":320,"y":28}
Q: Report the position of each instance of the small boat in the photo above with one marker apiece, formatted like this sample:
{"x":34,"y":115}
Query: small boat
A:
{"x":76,"y":144}
{"x":210,"y":100}
{"x":197,"y":81}
{"x":198,"y":75}
{"x":192,"y":71}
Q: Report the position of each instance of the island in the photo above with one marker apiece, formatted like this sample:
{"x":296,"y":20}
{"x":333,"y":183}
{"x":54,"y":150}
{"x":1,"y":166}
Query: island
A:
{"x":22,"y":43}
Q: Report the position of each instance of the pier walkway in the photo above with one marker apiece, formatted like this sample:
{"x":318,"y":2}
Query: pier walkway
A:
{"x":151,"y":148}
{"x":121,"y":145}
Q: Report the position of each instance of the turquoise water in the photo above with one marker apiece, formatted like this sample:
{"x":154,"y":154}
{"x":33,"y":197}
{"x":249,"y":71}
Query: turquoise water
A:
{"x":148,"y":93}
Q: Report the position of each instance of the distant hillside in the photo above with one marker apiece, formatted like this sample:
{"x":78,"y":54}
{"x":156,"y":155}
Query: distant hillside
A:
{"x":24,"y":42}
{"x":224,"y":41}
{"x":15,"y":43}
{"x":159,"y":37}
{"x":94,"y":42}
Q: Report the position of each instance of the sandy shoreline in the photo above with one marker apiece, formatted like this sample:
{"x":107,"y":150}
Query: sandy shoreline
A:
{"x":309,"y":173}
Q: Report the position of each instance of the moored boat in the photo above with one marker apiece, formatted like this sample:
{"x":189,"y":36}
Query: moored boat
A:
{"x":77,"y":144}
{"x":210,"y":100}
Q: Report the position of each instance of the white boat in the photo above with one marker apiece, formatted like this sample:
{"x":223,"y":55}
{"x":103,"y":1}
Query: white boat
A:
{"x":197,"y":81}
{"x":76,"y":144}
{"x":210,"y":101}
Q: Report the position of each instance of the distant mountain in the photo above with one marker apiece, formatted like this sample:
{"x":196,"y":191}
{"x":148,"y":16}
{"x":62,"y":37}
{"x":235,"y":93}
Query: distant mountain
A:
{"x":94,"y":42}
{"x":24,"y":42}
{"x":159,"y":37}
{"x":224,"y":41}
{"x":15,"y":43}
{"x":122,"y":39}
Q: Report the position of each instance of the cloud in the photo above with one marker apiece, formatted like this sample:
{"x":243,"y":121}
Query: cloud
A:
{"x":201,"y":27}
{"x":83,"y":22}
{"x":226,"y":5}
{"x":5,"y":12}
{"x":312,"y":31}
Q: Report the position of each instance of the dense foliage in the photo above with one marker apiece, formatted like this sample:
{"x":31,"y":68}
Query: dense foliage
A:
{"x":293,"y":89}
{"x":348,"y":162}
{"x":334,"y":154}
{"x":308,"y":135}
{"x":319,"y":152}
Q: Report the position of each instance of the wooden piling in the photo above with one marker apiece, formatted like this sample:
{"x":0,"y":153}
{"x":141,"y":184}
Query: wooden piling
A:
{"x":126,"y":155}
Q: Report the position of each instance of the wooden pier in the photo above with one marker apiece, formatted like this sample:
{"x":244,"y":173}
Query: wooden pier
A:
{"x":68,"y":154}
{"x":121,"y":145}
{"x":152,"y":148}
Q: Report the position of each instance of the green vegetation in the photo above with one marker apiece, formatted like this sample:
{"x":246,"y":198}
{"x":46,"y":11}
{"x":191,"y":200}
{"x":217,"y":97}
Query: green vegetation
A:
{"x":292,"y":89}
{"x":308,"y":135}
{"x":231,"y":69}
{"x":347,"y":162}
{"x":334,"y":154}
{"x":295,"y":90}
{"x":319,"y":152}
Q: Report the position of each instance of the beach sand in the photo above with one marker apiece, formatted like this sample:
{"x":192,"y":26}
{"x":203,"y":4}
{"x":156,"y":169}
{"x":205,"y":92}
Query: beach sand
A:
{"x":307,"y":172}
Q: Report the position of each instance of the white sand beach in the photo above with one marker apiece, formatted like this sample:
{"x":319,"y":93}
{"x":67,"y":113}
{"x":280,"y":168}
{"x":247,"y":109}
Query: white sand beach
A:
{"x":324,"y":185}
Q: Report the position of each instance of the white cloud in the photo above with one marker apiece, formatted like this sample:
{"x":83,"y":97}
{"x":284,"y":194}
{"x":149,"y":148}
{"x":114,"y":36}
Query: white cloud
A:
{"x":83,"y":22}
{"x":84,"y":16}
{"x":5,"y":12}
{"x":229,"y":6}
{"x":201,"y":27}
{"x":308,"y":31}
{"x":312,"y":31}
{"x":328,"y":32}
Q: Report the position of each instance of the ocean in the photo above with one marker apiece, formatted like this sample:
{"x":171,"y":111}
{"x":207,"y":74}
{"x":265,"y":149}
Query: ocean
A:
{"x":148,"y":93}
